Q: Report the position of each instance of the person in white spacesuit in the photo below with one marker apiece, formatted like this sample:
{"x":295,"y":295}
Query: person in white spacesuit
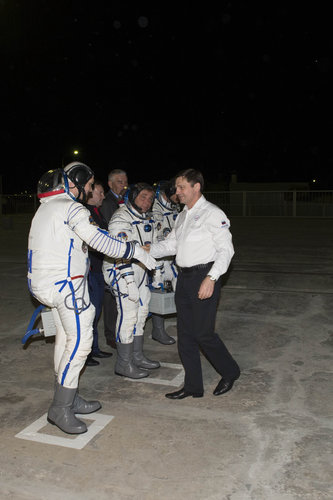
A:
{"x":165,"y":211}
{"x":128,"y":281}
{"x":58,"y":266}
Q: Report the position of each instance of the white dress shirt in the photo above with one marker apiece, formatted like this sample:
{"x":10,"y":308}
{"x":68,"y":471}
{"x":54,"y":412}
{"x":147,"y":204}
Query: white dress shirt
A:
{"x":201,"y":235}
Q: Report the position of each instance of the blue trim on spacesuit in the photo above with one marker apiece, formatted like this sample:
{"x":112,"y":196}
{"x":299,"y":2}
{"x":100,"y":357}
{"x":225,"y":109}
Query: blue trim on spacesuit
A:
{"x":78,"y":331}
{"x":29,"y":260}
{"x":103,"y":242}
{"x":29,"y":270}
{"x":68,"y":281}
{"x":70,"y":257}
{"x":124,"y":266}
{"x":173,"y":270}
{"x":135,"y":214}
{"x":67,"y":190}
{"x":143,"y":277}
{"x":114,"y":281}
{"x":121,"y":312}
{"x":159,"y":198}
{"x":130,"y":250}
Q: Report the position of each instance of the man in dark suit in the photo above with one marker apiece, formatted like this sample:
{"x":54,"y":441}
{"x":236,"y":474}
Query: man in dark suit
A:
{"x":117,"y":182}
{"x":96,"y":283}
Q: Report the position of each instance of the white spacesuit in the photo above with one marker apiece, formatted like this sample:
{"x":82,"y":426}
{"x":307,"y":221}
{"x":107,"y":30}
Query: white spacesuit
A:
{"x":58,"y":264}
{"x":165,"y":212}
{"x":128,"y":281}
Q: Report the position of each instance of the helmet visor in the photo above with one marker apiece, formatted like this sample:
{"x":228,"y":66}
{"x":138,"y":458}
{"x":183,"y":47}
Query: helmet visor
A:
{"x":52,"y":182}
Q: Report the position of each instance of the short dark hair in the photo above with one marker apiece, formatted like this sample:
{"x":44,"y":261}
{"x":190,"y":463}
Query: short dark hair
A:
{"x":97,"y":182}
{"x":192,"y":176}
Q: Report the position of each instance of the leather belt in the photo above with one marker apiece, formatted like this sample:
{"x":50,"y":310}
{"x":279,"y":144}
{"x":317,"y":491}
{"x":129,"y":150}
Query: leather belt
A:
{"x":194,"y":268}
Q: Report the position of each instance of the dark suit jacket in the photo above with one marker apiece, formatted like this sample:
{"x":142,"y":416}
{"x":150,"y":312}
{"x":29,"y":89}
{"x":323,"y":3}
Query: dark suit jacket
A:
{"x":96,"y":258}
{"x":109,"y":206}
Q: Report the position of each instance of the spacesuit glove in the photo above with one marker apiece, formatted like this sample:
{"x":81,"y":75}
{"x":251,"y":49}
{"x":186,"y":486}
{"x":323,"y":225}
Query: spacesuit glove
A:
{"x":158,"y":278}
{"x":168,"y":275}
{"x":132,"y":290}
{"x":144,"y":257}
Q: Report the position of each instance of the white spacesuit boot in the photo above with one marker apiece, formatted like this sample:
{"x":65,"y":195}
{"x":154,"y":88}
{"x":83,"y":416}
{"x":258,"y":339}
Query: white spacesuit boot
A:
{"x":125,"y":365}
{"x":61,"y":411}
{"x":158,"y":332}
{"x":82,"y":406}
{"x":139,"y":359}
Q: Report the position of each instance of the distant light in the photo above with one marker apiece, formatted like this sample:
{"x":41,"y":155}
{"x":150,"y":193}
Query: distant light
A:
{"x":75,"y":152}
{"x":314,"y":180}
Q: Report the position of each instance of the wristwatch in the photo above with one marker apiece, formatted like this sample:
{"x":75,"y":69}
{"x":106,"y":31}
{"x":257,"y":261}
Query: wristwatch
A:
{"x":211,"y":277}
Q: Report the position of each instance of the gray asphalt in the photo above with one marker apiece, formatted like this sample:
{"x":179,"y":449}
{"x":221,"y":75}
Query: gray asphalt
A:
{"x":270,"y":438}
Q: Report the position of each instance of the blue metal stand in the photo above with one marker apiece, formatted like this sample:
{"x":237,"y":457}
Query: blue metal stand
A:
{"x":29,"y":332}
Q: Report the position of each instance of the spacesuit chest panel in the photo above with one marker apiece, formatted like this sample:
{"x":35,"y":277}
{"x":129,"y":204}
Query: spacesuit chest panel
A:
{"x":143,"y":231}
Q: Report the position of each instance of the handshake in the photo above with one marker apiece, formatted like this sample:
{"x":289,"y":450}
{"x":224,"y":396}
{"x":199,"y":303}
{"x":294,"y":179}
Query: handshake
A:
{"x":142,"y":254}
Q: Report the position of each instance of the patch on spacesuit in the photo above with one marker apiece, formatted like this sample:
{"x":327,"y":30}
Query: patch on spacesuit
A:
{"x":158,"y":226}
{"x":91,"y":220}
{"x":122,"y":235}
{"x":166,"y":231}
{"x":147,"y":228}
{"x":84,"y":247}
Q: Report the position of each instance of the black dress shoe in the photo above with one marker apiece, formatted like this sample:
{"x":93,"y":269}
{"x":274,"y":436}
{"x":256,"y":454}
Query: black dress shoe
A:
{"x":102,"y":354}
{"x":91,"y":362}
{"x":181,"y":394}
{"x":224,"y":386}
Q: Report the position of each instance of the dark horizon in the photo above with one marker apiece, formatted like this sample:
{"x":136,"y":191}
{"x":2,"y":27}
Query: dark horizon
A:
{"x":234,"y":88}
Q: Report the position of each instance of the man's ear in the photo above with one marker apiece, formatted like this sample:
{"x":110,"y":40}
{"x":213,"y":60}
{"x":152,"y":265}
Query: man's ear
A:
{"x":197,"y":187}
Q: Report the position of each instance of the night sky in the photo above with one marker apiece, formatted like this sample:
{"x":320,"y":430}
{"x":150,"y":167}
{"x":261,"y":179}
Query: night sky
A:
{"x":244,"y":87}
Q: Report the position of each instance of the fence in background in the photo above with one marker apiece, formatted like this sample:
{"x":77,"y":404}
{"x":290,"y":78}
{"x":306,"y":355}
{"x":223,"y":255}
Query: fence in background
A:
{"x":234,"y":203}
{"x":11,"y":204}
{"x":274,"y":203}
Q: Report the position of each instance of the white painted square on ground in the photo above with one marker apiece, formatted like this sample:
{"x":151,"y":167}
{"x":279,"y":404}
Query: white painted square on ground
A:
{"x":175,"y":382}
{"x":79,"y":441}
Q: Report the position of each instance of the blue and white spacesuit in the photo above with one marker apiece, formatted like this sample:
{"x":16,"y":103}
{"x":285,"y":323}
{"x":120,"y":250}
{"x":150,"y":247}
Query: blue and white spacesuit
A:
{"x":129,"y":282}
{"x":58,"y":266}
{"x":165,"y":212}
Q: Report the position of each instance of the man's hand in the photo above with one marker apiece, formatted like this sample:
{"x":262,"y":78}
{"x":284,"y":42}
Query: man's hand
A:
{"x":146,"y":247}
{"x":206,"y":288}
{"x":144,"y":257}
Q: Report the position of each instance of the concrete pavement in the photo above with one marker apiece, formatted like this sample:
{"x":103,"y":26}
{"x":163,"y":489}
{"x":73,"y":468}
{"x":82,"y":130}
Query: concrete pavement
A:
{"x":270,"y":438}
